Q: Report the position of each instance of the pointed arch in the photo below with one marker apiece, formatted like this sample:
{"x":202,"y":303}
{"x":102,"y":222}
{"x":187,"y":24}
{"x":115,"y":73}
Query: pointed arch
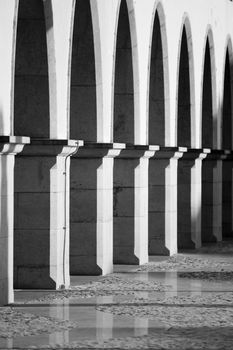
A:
{"x":31,"y":88}
{"x":227,"y":104}
{"x":83,"y":110}
{"x":185,"y":90}
{"x":209,"y":95}
{"x":227,"y":135}
{"x":158,"y":122}
{"x":123,"y":125}
{"x":209,"y":123}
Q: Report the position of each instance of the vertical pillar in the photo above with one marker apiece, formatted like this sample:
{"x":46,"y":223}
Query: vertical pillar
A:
{"x":212,"y":197}
{"x":196,"y":199}
{"x":189,"y":199}
{"x":42,"y":214}
{"x":92,"y":209}
{"x":131,"y":205}
{"x":10,"y":146}
{"x":227,"y":192}
{"x":217,"y":200}
{"x":163,"y":201}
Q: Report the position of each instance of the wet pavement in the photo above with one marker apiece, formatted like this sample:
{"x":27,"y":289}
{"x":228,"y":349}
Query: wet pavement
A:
{"x":182,"y":302}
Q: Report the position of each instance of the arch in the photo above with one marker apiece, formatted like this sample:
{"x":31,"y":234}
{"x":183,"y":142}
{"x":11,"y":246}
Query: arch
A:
{"x":31,"y":88}
{"x":158,"y":94}
{"x":227,"y":103}
{"x":83,"y":109}
{"x":123,"y":124}
{"x":185,"y":89}
{"x":227,"y":134}
{"x":209,"y":95}
{"x":209,"y":123}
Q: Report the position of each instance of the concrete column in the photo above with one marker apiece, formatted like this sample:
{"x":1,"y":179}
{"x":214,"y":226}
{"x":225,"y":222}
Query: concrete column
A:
{"x":42,"y":214}
{"x":212,"y":197}
{"x":92,"y":209}
{"x":163,"y":201}
{"x":131,"y":205}
{"x":10,"y":146}
{"x":189,"y":199}
{"x":196,"y":199}
{"x":227,"y":192}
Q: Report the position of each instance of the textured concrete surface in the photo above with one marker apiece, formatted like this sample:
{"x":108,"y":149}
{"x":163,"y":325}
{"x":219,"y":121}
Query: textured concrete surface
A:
{"x":181,"y":302}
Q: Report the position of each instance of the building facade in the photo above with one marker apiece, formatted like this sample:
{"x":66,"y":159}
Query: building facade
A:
{"x":116,"y":134}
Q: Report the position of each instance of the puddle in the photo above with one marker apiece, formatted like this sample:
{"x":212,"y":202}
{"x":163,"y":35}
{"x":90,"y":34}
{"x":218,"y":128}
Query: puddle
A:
{"x":92,"y":325}
{"x":177,"y":283}
{"x":180,"y":294}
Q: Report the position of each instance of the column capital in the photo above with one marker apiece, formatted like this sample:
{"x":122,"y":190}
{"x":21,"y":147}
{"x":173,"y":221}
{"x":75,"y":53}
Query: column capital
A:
{"x":12,"y":145}
{"x":100,"y":150}
{"x":170,"y":152}
{"x":51,"y":147}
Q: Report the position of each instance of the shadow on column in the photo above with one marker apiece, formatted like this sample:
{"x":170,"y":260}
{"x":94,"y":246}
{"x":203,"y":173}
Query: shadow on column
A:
{"x":83,"y":215}
{"x":157,"y":206}
{"x":124,"y":211}
{"x":32,"y":220}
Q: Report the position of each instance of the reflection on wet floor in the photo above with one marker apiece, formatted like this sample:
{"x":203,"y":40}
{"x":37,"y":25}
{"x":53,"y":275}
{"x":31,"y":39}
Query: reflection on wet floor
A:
{"x":93,"y":325}
{"x":99,"y":326}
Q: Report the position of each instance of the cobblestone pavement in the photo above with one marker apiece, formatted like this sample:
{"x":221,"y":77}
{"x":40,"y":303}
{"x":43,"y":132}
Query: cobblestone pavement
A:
{"x":182,"y":302}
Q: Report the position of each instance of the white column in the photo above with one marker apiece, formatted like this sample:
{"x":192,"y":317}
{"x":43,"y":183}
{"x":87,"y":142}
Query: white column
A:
{"x":105,"y":213}
{"x":196,"y":203}
{"x":7,"y":161}
{"x":141,"y":206}
{"x":59,"y":216}
{"x":171,"y":202}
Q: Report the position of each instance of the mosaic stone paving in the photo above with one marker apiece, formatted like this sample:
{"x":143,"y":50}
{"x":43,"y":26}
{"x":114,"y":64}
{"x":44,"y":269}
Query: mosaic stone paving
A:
{"x":140,"y":308}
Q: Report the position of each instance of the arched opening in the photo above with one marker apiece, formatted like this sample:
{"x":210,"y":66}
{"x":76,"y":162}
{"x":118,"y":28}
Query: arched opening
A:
{"x":209,"y":165}
{"x":123,"y":132}
{"x":83,"y":125}
{"x":83,"y":113}
{"x":184,"y":139}
{"x":227,"y":106}
{"x":156,"y":90}
{"x":184,"y":99}
{"x":227,"y":111}
{"x":207,"y":104}
{"x":124,"y":87}
{"x":156,"y":133}
{"x":32,"y":180}
{"x":31,"y":94}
